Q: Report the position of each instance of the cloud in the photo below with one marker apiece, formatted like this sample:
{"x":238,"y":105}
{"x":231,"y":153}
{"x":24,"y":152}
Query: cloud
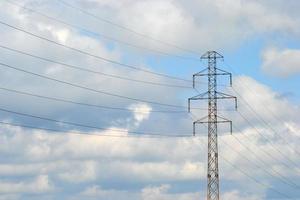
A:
{"x":181,"y":21}
{"x":82,"y":173}
{"x":87,"y":161}
{"x":107,"y":168}
{"x":96,"y":192}
{"x":40,"y":185}
{"x":141,"y":112}
{"x":159,"y":192}
{"x":293,"y":128}
{"x":152,"y":193}
{"x":256,"y":99}
{"x":281,"y":62}
{"x":162,"y":193}
{"x":235,"y":195}
{"x":211,"y":24}
{"x":71,"y":112}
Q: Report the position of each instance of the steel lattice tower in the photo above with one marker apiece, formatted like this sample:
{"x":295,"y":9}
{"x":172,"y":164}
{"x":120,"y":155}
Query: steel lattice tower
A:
{"x":212,"y":96}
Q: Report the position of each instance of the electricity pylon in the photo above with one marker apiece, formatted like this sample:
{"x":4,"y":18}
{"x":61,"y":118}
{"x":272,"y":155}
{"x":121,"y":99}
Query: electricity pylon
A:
{"x":212,"y":95}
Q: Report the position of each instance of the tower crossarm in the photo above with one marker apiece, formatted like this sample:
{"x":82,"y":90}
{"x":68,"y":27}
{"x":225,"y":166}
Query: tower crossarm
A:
{"x":205,"y":96}
{"x":210,"y":54}
{"x":203,"y":121}
{"x":219,"y":72}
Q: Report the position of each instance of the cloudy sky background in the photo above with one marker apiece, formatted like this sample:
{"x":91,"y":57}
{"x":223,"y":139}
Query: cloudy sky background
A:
{"x":260,"y":43}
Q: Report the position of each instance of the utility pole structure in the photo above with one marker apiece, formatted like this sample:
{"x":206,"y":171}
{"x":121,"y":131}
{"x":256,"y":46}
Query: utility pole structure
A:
{"x":212,"y":96}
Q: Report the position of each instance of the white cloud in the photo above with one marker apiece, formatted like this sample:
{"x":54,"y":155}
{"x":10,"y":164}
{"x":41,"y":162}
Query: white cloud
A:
{"x":97,"y":191}
{"x":151,"y":192}
{"x":263,"y":101}
{"x":90,"y":161}
{"x":210,"y":24}
{"x":81,"y":173}
{"x":141,"y":112}
{"x":154,"y":193}
{"x":9,"y":197}
{"x":178,"y":21}
{"x":293,"y":128}
{"x":40,"y":185}
{"x":162,"y":193}
{"x":235,"y":195}
{"x":281,"y":62}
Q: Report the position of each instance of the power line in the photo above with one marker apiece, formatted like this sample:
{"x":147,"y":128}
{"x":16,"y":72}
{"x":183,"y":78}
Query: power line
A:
{"x":95,"y":105}
{"x":270,"y":155}
{"x":281,"y":177}
{"x":246,"y":173}
{"x":213,"y":187}
{"x":258,"y":116}
{"x":57,"y":131}
{"x":94,"y":90}
{"x":87,"y":104}
{"x":89,"y":126}
{"x":256,"y":181}
{"x":287,"y":181}
{"x":271,"y":142}
{"x":99,"y":34}
{"x":140,"y":136}
{"x":127,"y":29}
{"x":91,"y":71}
{"x":48,"y":119}
{"x":92,"y":55}
{"x":89,"y":89}
{"x":265,"y":123}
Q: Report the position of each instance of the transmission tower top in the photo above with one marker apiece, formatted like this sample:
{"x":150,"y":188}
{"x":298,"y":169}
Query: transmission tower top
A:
{"x":211,"y":54}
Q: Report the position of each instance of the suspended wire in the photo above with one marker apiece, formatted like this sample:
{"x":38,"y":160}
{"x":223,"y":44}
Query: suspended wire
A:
{"x":140,"y":136}
{"x":270,"y":142}
{"x":268,"y":154}
{"x":89,"y":89}
{"x":146,"y":136}
{"x":126,"y":28}
{"x":255,"y":180}
{"x":244,"y":172}
{"x":107,"y":135}
{"x":92,"y":55}
{"x":258,"y":116}
{"x":268,"y":127}
{"x":282,"y":178}
{"x":57,"y":131}
{"x":44,"y":118}
{"x":99,"y":34}
{"x":91,"y":71}
{"x":89,"y":126}
{"x":89,"y":105}
{"x":95,"y":105}
{"x":265,"y":123}
{"x":93,"y":90}
{"x":123,"y":136}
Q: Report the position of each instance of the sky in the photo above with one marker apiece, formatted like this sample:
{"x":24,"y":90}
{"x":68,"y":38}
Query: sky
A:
{"x":84,"y":82}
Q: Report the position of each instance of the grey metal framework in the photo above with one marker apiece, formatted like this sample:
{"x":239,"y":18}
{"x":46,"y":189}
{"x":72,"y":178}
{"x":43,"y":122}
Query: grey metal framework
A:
{"x":212,"y":95}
